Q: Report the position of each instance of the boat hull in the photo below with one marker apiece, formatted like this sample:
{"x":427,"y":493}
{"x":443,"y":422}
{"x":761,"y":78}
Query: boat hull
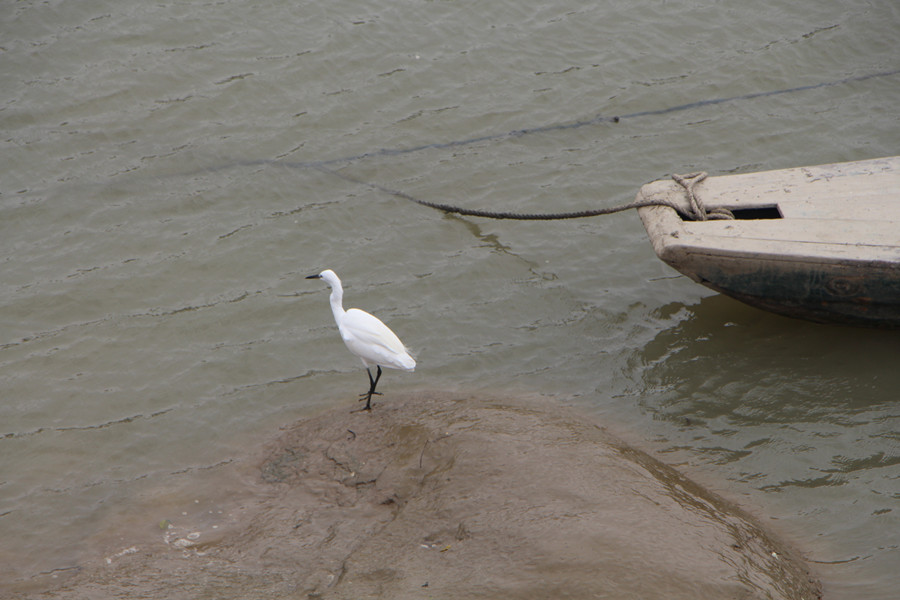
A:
{"x":821,"y":293}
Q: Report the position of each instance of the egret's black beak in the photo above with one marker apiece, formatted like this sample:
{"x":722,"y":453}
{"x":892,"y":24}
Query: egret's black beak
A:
{"x":314,"y":277}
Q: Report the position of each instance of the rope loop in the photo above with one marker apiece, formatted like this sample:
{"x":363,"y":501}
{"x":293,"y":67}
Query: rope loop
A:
{"x":698,"y":209}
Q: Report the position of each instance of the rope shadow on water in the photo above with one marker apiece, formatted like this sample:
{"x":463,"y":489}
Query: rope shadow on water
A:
{"x":597,"y":120}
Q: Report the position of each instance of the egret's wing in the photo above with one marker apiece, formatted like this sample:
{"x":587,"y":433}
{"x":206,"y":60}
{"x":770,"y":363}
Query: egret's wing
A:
{"x":370,"y":339}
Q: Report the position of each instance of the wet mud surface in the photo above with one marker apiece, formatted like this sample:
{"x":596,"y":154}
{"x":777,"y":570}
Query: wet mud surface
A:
{"x":444,"y":497}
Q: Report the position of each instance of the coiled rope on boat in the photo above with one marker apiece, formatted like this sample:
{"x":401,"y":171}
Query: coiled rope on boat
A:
{"x":698,"y":209}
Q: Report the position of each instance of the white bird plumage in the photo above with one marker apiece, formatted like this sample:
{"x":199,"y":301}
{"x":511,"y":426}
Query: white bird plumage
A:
{"x":366,"y":336}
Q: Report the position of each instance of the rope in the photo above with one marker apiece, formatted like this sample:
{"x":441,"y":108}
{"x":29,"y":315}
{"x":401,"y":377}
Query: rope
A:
{"x":487,"y":214}
{"x":698,"y":210}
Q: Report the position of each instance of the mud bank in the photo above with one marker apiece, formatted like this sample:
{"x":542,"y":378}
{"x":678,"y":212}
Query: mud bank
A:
{"x":447,"y":497}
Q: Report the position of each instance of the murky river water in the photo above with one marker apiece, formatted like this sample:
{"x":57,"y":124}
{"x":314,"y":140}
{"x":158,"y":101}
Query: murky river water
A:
{"x":160,"y":203}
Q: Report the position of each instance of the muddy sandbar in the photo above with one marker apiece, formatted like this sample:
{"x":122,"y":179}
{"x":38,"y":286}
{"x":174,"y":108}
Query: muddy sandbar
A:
{"x":453,"y":497}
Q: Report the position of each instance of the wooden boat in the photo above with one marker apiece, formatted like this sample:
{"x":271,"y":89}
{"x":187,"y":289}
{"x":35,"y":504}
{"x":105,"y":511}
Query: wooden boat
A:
{"x":820,"y":243}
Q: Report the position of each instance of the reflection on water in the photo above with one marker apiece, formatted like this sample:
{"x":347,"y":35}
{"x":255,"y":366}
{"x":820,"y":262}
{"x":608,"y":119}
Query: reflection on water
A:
{"x":757,"y":368}
{"x":789,"y":408}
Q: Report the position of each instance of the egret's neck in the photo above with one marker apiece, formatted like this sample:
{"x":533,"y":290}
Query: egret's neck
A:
{"x":337,"y":303}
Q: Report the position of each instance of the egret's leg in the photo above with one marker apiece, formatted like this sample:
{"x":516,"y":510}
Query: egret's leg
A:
{"x":377,"y":377}
{"x":372,"y":383}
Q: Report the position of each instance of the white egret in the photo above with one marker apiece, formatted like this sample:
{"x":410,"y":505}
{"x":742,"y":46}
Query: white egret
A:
{"x":366,"y":337}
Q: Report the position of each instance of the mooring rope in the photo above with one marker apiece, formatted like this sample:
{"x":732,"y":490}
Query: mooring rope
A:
{"x":698,"y":210}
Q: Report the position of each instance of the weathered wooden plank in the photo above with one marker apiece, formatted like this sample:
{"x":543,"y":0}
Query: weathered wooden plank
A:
{"x":866,"y":235}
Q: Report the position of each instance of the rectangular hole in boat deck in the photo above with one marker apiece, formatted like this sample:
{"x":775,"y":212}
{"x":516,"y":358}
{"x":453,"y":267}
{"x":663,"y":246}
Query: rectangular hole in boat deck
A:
{"x":757,"y":212}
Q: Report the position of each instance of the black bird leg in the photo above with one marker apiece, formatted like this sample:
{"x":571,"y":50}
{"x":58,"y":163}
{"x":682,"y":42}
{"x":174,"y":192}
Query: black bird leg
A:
{"x":372,"y":383}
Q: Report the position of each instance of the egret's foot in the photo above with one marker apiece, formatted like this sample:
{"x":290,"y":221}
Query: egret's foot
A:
{"x":368,"y":396}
